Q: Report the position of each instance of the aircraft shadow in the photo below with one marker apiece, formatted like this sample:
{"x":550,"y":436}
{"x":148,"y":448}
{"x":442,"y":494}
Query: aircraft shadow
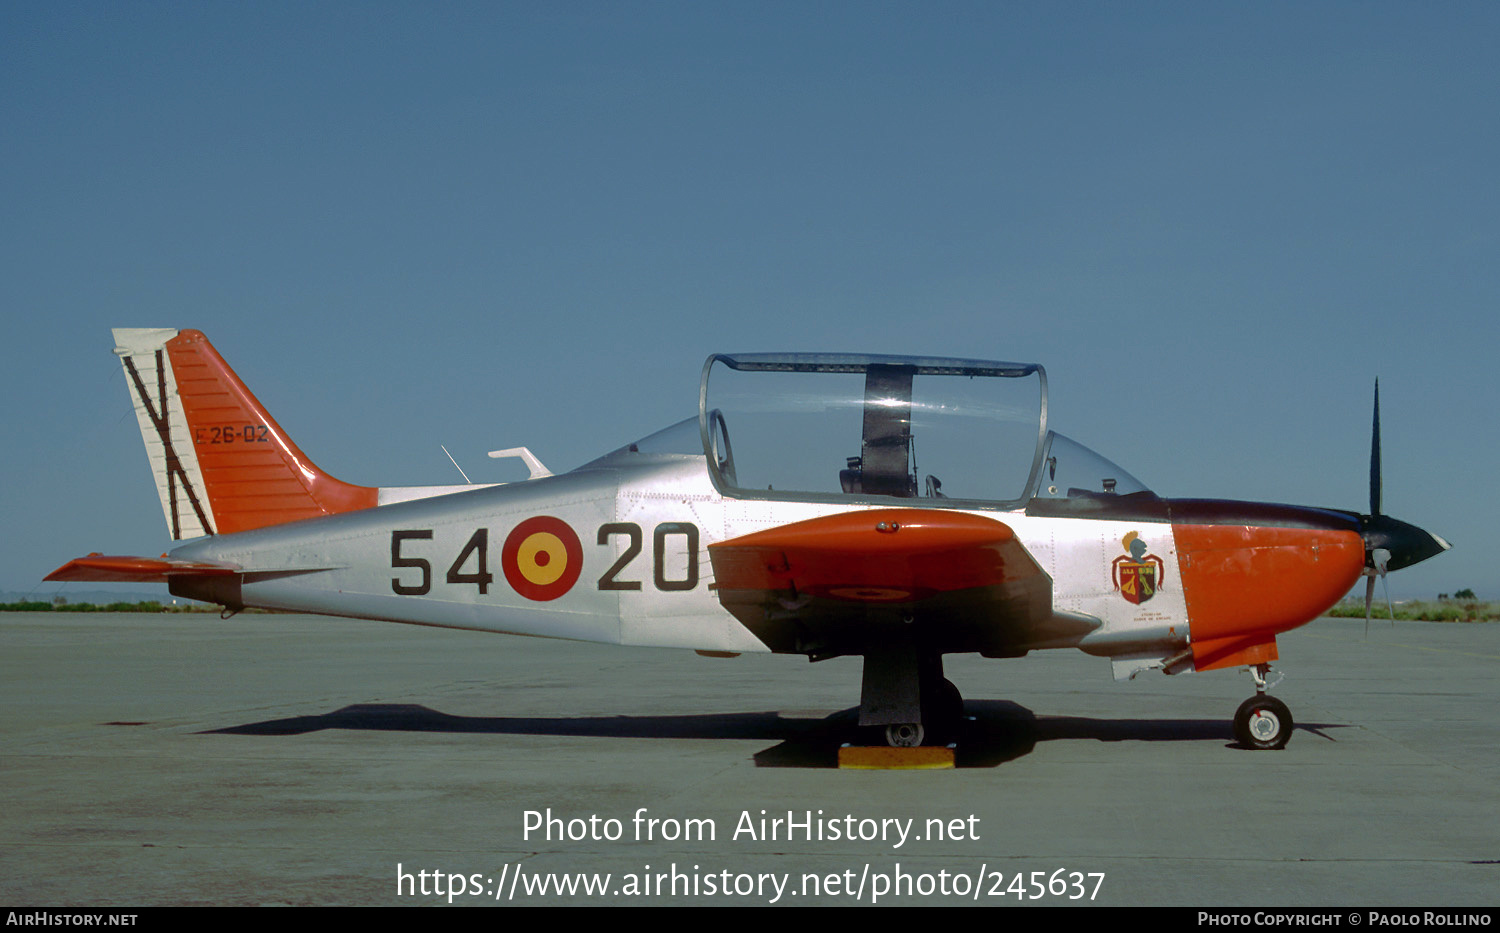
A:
{"x":994,"y":731}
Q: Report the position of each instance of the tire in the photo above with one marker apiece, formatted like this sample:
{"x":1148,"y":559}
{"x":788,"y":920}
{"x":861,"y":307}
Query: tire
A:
{"x":1263,"y":722}
{"x":905,"y":735}
{"x":942,"y":714}
{"x":952,"y":703}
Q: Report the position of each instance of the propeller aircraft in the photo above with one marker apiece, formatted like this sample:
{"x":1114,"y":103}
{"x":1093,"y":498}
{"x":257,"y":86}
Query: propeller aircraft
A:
{"x":894,"y":508}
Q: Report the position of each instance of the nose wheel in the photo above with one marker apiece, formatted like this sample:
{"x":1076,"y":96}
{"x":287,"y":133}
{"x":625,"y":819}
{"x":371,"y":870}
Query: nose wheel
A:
{"x":1262,"y":721}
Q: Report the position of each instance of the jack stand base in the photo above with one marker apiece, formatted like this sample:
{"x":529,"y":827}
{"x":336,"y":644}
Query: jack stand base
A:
{"x":887,"y":758}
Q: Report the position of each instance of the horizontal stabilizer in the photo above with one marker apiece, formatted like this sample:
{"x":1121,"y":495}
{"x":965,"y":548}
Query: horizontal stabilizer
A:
{"x":102,"y":568}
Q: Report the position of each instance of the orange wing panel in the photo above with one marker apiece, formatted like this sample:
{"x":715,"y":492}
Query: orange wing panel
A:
{"x":883,"y":555}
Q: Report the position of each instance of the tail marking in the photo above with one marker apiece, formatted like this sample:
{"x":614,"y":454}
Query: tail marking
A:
{"x":175,"y":472}
{"x":221,"y":462}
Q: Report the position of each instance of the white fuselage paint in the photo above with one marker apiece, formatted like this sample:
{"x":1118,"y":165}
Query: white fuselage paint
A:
{"x":346,"y":565}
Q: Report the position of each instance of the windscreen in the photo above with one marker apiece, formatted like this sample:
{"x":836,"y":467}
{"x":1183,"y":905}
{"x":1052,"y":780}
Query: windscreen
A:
{"x":1073,"y":471}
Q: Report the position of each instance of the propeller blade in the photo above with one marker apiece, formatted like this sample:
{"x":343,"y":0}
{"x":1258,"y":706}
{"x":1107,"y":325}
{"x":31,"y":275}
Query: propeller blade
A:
{"x":1369,"y":598}
{"x":1375,"y":457}
{"x":1389,"y":544}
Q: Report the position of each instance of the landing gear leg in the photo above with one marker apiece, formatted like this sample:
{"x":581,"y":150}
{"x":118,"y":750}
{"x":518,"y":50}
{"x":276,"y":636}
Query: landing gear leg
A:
{"x":942,"y":708}
{"x":1262,"y":721}
{"x":907,"y":694}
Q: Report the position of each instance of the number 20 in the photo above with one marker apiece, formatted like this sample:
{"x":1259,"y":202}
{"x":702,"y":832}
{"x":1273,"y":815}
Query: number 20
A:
{"x":633,"y":534}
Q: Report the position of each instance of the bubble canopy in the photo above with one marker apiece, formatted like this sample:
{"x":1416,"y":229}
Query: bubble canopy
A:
{"x":825,"y":426}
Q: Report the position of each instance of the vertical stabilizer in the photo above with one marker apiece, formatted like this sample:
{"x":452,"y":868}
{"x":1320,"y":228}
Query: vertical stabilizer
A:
{"x":221,"y":463}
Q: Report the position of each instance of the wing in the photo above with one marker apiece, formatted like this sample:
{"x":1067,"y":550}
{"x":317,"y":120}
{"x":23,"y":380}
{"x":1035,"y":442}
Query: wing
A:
{"x":843,"y":583}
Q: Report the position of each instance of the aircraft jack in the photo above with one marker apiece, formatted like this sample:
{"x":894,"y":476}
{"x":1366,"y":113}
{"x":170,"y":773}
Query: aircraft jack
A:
{"x":892,"y":758}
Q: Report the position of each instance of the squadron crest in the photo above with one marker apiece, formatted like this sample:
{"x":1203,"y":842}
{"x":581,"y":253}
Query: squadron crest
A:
{"x":1137,"y":575}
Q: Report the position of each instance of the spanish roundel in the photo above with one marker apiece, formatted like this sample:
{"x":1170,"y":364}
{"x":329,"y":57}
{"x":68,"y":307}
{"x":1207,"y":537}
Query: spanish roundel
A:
{"x":542,"y":558}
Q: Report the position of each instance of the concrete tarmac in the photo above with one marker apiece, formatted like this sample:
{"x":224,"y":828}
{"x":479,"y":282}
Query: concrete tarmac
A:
{"x":180,"y":759}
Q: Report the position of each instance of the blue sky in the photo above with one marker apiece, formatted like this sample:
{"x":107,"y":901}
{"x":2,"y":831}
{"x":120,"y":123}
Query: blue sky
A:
{"x":485,"y":225}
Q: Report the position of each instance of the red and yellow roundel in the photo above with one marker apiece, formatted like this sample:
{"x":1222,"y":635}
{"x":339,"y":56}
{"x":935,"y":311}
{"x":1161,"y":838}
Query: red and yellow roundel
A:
{"x":542,"y":558}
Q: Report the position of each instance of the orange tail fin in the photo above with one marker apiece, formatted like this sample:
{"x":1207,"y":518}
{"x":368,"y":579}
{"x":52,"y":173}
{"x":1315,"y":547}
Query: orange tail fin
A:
{"x":221,"y":462}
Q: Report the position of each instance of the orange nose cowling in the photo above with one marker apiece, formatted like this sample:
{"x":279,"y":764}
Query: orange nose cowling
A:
{"x":1245,"y":583}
